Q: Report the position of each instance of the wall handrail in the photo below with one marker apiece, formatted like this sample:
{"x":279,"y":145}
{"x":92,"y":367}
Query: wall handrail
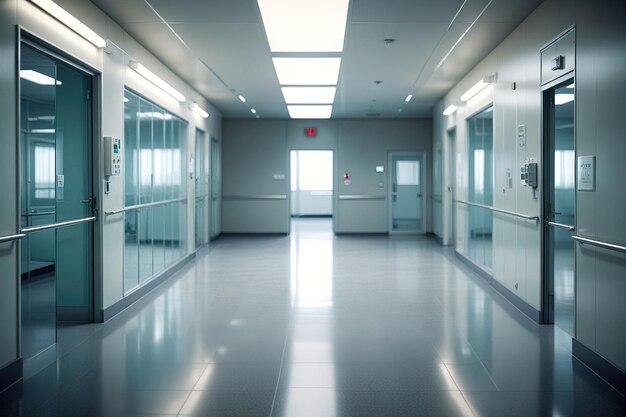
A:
{"x":140,"y":206}
{"x":362,"y":197}
{"x":600,"y":244}
{"x":497,"y":210}
{"x":11,"y":238}
{"x":255,"y":197}
{"x":58,"y":225}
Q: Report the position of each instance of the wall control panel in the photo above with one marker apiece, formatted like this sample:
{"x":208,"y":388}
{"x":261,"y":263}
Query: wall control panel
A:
{"x":112,"y":156}
{"x":528,"y":174}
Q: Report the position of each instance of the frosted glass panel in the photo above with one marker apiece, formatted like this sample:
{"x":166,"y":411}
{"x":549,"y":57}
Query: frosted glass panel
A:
{"x":408,"y":172}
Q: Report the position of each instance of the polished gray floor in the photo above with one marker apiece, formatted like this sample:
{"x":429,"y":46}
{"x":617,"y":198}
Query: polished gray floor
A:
{"x":317,"y":325}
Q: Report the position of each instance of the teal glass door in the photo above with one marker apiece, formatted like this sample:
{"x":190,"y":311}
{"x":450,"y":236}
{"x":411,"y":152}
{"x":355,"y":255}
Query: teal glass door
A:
{"x":560,"y":206}
{"x":55,"y":197}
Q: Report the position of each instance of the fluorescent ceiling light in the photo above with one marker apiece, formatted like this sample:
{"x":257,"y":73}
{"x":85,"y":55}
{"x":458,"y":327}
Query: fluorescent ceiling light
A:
{"x":126,"y":100}
{"x":41,"y":119}
{"x":450,"y":109}
{"x":310,"y":112}
{"x":70,"y":21}
{"x":408,"y":98}
{"x":253,"y":111}
{"x":154,"y":115}
{"x":38,"y":78}
{"x":560,"y":99}
{"x":42,"y":131}
{"x":242,"y":98}
{"x":476,"y":88}
{"x":309,"y":95}
{"x":307,"y":71}
{"x":305,"y":25}
{"x":154,"y":79}
{"x":199,"y":110}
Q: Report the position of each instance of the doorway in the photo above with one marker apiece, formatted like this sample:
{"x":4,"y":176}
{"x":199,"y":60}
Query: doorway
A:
{"x":450,"y":192}
{"x":202,"y":189}
{"x":407,"y":187}
{"x":216,"y":190}
{"x":57,"y":203}
{"x":560,"y":206}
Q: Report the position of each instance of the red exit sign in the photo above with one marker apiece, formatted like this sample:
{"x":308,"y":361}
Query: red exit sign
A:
{"x":310,"y":132}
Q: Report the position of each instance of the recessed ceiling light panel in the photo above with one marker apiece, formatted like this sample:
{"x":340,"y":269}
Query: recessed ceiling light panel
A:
{"x":305,"y":25}
{"x":310,"y":112}
{"x":38,"y":78}
{"x":307,"y":71}
{"x":309,"y":95}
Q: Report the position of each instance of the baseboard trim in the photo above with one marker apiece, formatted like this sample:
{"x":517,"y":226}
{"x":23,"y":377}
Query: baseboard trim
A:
{"x":10,"y":374}
{"x":601,"y":366}
{"x":143,"y":290}
{"x":528,"y":310}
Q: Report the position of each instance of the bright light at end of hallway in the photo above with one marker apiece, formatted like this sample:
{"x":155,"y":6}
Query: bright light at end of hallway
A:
{"x":305,"y":25}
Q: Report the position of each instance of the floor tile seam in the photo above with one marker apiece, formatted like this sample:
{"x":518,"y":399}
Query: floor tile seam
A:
{"x":472,"y":390}
{"x":282,"y":362}
{"x":468,"y":403}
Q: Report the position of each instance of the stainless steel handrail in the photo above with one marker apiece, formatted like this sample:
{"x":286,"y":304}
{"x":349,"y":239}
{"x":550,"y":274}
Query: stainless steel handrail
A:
{"x":497,"y":210}
{"x":600,"y":244}
{"x":11,"y":238}
{"x":57,"y":225}
{"x":362,"y":197}
{"x":140,"y":206}
{"x":255,"y":197}
{"x":563,"y":226}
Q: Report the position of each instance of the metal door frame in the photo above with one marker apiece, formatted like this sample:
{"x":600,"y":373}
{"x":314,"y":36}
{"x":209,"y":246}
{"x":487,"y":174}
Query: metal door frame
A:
{"x":94,"y":149}
{"x":423,"y":184}
{"x":547,"y":122}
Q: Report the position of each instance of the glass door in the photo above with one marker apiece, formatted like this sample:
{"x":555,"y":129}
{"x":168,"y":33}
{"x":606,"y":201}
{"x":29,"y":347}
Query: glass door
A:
{"x":55,"y":197}
{"x":202,"y":188}
{"x":216,"y":189}
{"x":560,"y":206}
{"x":406,"y":214}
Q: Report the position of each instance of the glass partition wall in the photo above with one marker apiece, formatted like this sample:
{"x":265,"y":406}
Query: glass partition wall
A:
{"x":154,"y":190}
{"x":480,"y":188}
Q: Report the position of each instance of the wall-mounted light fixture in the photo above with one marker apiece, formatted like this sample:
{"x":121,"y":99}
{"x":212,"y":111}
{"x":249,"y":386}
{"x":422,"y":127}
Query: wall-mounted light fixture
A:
{"x":450,"y":109}
{"x":199,"y":110}
{"x":477,"y":88}
{"x":70,"y":21}
{"x":154,"y":79}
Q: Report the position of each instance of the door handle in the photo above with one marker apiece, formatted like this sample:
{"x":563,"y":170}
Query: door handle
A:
{"x":562,"y":226}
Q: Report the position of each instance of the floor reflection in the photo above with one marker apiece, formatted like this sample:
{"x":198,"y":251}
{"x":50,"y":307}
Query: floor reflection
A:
{"x":315,"y":324}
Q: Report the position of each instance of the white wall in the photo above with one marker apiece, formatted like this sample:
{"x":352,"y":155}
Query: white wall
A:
{"x":113,"y":65}
{"x":255,"y":150}
{"x":600,"y":88}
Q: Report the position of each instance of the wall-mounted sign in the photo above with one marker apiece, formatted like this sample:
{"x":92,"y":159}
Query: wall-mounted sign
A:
{"x":310,"y":132}
{"x":586,"y":173}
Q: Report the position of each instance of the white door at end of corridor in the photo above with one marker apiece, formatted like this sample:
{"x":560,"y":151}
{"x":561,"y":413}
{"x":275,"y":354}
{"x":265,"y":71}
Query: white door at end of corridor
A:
{"x":407,"y":190}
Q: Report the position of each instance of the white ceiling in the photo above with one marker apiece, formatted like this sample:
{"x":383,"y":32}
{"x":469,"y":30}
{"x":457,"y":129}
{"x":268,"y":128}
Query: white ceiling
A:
{"x":220,"y":48}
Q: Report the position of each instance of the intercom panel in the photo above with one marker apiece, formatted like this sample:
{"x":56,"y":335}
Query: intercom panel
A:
{"x":528,"y":174}
{"x":112,"y":156}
